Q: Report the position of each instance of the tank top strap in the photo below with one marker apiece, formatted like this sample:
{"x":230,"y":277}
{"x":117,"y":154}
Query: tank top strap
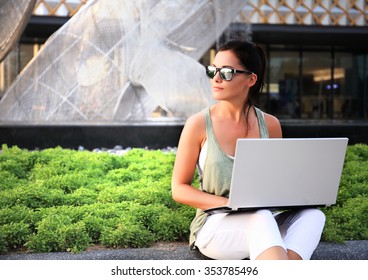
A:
{"x":263,"y":131}
{"x":207,"y":117}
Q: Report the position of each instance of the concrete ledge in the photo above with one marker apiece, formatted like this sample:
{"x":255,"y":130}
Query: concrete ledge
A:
{"x":350,"y":250}
{"x":153,"y":135}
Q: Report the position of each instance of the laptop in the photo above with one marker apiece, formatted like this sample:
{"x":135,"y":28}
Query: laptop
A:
{"x":285,"y":173}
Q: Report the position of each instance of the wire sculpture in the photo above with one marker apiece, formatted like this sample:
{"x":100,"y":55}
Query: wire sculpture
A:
{"x":117,"y":61}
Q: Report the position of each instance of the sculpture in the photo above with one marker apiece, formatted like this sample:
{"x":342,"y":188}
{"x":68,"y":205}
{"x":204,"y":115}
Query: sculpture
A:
{"x":14,"y":16}
{"x":117,"y":61}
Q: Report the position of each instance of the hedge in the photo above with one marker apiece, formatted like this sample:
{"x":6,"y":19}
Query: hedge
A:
{"x":66,"y":200}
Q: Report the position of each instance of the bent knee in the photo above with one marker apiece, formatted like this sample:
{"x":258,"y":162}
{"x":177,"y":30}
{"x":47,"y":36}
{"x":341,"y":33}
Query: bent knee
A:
{"x":315,"y":214}
{"x":263,"y":213}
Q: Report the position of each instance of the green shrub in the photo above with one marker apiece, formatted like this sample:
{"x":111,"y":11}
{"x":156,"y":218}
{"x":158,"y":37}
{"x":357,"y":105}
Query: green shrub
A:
{"x":8,"y":180}
{"x":94,"y":227}
{"x":122,"y":176}
{"x":4,"y":246}
{"x":346,"y":219}
{"x":15,"y":161}
{"x":20,"y":214}
{"x":33,"y":196}
{"x":115,"y":194}
{"x":149,"y":192}
{"x":14,"y":235}
{"x":348,"y":222}
{"x":126,"y":233}
{"x":177,"y":224}
{"x":64,"y":200}
{"x":58,"y":233}
{"x":81,"y":196}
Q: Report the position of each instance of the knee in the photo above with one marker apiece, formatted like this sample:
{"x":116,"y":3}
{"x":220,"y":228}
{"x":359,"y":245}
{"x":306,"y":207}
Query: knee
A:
{"x":263,"y":213}
{"x":262,"y":217}
{"x":315,"y":215}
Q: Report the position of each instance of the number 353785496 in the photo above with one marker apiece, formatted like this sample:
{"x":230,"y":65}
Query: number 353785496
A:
{"x":229,"y":270}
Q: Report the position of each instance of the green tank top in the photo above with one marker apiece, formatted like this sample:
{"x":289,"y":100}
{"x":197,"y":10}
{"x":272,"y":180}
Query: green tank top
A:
{"x":217,"y":169}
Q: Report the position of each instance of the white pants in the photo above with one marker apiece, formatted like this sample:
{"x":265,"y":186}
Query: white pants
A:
{"x":248,"y":234}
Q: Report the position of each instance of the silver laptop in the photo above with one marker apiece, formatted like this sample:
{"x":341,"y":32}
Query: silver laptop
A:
{"x":285,"y":173}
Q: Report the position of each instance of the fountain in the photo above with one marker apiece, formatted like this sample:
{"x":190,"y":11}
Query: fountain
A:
{"x":117,"y":64}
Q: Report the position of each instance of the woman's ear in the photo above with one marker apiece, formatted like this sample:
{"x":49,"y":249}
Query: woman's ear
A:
{"x":253,"y":80}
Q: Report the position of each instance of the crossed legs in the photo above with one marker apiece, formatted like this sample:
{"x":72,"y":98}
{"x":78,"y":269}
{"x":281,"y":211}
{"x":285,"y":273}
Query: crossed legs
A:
{"x":261,"y":235}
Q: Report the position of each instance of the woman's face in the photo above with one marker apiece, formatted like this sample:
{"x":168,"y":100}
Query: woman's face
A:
{"x":238,"y":87}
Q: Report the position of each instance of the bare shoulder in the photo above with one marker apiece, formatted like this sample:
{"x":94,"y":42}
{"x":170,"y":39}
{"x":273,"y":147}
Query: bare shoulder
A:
{"x":196,"y":120}
{"x":195,"y":126}
{"x":273,"y":126}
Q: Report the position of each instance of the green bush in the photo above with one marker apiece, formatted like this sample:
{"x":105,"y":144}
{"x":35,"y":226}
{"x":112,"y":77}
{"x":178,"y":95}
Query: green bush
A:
{"x":9,"y":180}
{"x":347,"y":222}
{"x":126,"y":233}
{"x":58,"y":233}
{"x":94,"y":227}
{"x":14,"y":235}
{"x":65,"y":200}
{"x":172,"y":226}
{"x":346,"y":219}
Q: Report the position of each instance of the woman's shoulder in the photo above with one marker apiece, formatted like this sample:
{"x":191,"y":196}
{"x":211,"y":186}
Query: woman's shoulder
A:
{"x":196,"y":124}
{"x":196,"y":120}
{"x":273,"y":126}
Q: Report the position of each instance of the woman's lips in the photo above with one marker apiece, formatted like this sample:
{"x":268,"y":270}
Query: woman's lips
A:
{"x":217,"y":88}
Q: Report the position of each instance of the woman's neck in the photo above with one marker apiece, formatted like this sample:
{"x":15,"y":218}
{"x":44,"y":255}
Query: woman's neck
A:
{"x":228,"y":110}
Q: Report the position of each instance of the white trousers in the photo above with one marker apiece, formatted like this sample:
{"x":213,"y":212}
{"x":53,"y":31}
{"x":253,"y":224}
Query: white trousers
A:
{"x":247,"y":234}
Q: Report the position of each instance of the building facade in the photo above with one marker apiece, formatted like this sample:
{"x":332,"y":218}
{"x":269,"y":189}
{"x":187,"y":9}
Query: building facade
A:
{"x":317,"y":53}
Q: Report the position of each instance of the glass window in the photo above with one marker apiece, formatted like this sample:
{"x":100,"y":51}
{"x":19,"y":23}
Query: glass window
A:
{"x":317,"y":87}
{"x":364,"y":74}
{"x":9,"y":70}
{"x":14,"y":62}
{"x":27,"y":52}
{"x":283,"y":84}
{"x":349,"y":81}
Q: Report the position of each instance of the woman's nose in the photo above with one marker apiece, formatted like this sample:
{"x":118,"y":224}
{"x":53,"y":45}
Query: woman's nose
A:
{"x":217,"y":77}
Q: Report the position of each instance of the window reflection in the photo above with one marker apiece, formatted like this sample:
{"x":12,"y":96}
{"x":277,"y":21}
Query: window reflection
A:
{"x":317,"y":85}
{"x":283,"y":84}
{"x":317,"y":97}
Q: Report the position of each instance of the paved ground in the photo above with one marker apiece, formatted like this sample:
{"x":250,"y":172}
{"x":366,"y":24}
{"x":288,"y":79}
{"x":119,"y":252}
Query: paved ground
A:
{"x":351,"y":250}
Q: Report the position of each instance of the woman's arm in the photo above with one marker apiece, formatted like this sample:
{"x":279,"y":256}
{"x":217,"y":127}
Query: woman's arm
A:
{"x":192,"y":136}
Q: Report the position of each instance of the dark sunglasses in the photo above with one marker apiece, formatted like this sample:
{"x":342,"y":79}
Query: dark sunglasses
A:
{"x":226,"y":73}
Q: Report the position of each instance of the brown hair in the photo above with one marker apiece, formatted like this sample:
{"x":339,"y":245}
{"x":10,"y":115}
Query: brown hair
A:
{"x":253,"y":58}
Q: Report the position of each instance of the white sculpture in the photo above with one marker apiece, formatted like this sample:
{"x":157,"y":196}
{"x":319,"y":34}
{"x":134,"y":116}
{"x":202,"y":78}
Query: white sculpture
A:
{"x":118,"y":60}
{"x":14,"y":16}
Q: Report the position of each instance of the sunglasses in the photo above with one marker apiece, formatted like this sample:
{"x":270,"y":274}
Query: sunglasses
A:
{"x":226,"y":73}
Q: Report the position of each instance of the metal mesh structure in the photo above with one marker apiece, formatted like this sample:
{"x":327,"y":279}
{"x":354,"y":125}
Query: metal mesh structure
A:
{"x":14,"y":16}
{"x":117,"y":61}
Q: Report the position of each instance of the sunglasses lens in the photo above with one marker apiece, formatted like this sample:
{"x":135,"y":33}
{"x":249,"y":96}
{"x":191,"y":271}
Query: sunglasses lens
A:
{"x":211,"y":71}
{"x":226,"y":74}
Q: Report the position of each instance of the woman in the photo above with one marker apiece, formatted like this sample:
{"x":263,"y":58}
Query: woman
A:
{"x":208,"y":142}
